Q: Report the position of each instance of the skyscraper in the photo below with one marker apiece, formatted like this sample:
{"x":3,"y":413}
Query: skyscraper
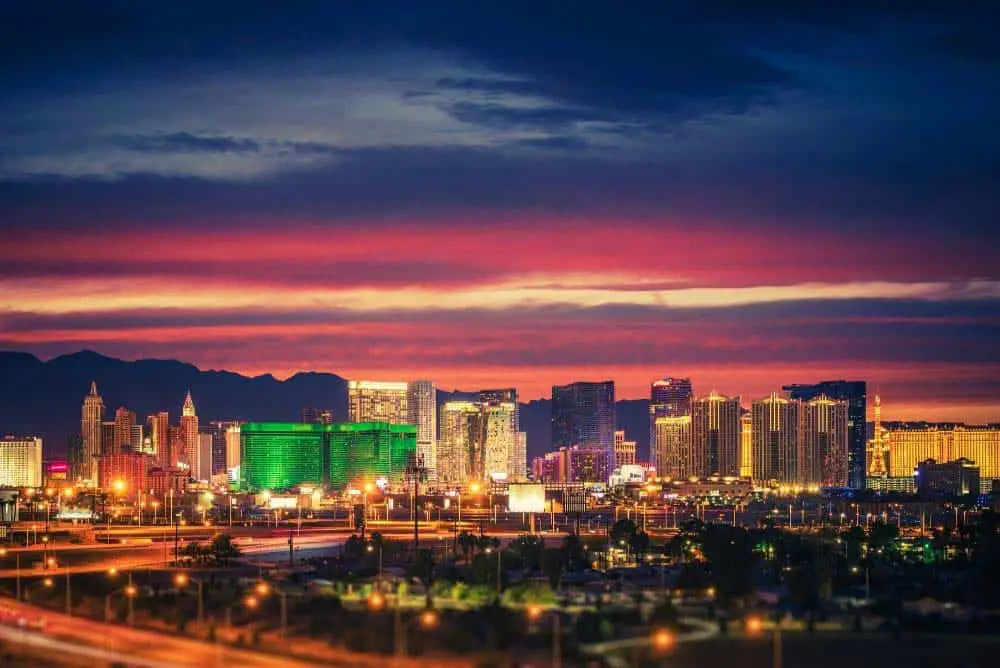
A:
{"x":21,"y":462}
{"x":502,"y":423}
{"x":90,"y":431}
{"x":158,"y":424}
{"x":189,"y":433}
{"x":855,"y":393}
{"x":776,"y":439}
{"x":823,"y":455}
{"x":669,"y":397}
{"x":124,"y":423}
{"x":461,"y":446}
{"x":676,"y":456}
{"x":746,"y":445}
{"x":376,"y":401}
{"x":583,"y":414}
{"x":715,"y":428}
{"x":421,"y":405}
{"x":225,"y":445}
{"x":519,"y":463}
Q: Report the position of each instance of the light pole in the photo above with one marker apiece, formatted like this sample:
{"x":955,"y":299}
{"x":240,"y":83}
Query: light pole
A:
{"x":181,"y":580}
{"x":488,"y":550}
{"x":177,"y":538}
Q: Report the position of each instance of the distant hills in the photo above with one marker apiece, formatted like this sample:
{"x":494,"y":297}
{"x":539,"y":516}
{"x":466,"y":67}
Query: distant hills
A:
{"x":44,"y":398}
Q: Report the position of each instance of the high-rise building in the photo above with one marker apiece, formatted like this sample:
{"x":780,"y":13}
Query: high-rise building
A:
{"x":421,"y":405}
{"x":583,"y":414}
{"x":823,"y":454}
{"x":124,"y":423}
{"x":519,"y":462}
{"x":668,"y":397}
{"x":376,"y":401}
{"x":572,"y":465}
{"x":189,"y":433}
{"x":461,"y":446}
{"x":225,"y":445}
{"x":362,"y":452}
{"x":624,"y":450}
{"x":855,"y":393}
{"x":158,"y":425}
{"x":676,"y":456}
{"x":502,"y":423}
{"x":90,"y":431}
{"x":21,"y":461}
{"x":715,"y":432}
{"x":136,"y":437}
{"x":746,"y":445}
{"x":74,"y":457}
{"x":201,"y":463}
{"x":776,"y":439}
{"x":282,"y":455}
{"x":108,"y":437}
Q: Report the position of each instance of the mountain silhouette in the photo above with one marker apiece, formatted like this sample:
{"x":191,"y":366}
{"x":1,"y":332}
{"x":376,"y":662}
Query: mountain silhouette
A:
{"x":44,"y":398}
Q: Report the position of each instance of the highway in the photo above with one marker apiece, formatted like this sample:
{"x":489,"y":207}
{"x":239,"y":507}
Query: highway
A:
{"x":106,"y":643}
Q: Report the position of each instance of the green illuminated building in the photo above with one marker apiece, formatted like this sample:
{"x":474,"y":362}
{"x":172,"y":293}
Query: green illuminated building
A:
{"x":281,"y":455}
{"x":363,"y":451}
{"x":284,"y":455}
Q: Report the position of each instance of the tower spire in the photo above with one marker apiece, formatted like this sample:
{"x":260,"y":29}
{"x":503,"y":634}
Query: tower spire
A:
{"x":93,"y":388}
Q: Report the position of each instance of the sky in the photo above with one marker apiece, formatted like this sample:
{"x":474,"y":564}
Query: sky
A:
{"x":512,"y":193}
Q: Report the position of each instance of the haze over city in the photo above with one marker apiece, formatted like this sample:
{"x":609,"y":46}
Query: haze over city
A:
{"x":512,"y":194}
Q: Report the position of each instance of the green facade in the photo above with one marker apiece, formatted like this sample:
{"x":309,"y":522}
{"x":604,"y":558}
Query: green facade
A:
{"x":364,"y":451}
{"x":281,"y":455}
{"x":284,"y":455}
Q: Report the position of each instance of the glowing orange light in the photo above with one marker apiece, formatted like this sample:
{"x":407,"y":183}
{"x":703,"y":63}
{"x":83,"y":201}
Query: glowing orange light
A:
{"x":754,"y":625}
{"x":428,"y":619}
{"x":663,"y":640}
{"x":376,"y":601}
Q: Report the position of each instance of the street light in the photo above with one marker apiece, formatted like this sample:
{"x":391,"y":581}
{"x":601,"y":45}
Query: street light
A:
{"x":488,"y":551}
{"x":182,"y":580}
{"x":663,"y":640}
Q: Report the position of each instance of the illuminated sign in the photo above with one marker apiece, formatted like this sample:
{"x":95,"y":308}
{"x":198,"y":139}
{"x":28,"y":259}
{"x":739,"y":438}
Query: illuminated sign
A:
{"x":283,"y":502}
{"x":526,"y":498}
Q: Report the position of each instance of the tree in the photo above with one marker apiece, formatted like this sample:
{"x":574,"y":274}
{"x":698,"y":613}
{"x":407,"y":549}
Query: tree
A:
{"x":223,"y":549}
{"x":467,"y":542}
{"x":639,"y":542}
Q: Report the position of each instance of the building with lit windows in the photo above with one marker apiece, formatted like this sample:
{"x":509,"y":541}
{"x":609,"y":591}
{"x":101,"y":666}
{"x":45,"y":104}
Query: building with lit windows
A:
{"x":855,"y":393}
{"x":158,"y":425}
{"x":91,"y":421}
{"x":668,"y":397}
{"x":519,"y":462}
{"x":123,"y":474}
{"x":189,"y":433}
{"x":909,"y":443}
{"x":624,"y":450}
{"x":824,"y":434}
{"x":583,"y":414}
{"x":421,"y":406}
{"x":676,"y":456}
{"x":123,"y":432}
{"x":461,"y":444}
{"x":746,"y":445}
{"x":21,"y":461}
{"x":715,"y":434}
{"x":282,"y":455}
{"x":366,"y":451}
{"x":377,"y":401}
{"x":776,"y":439}
{"x":573,"y":465}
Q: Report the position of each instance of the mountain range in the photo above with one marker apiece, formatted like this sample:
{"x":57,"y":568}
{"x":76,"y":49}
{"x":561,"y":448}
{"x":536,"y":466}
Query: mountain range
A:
{"x":43,"y":398}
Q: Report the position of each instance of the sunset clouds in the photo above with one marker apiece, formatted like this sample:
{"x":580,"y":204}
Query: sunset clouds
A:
{"x":522,"y":197}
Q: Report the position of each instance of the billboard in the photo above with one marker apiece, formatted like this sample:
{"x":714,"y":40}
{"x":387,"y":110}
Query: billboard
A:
{"x":574,"y":501}
{"x":526,"y":498}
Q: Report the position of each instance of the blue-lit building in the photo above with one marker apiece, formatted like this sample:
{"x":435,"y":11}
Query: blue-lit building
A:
{"x":583,"y":414}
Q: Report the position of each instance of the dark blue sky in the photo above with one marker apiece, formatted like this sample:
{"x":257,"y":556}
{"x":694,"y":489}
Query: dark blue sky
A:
{"x":528,"y":192}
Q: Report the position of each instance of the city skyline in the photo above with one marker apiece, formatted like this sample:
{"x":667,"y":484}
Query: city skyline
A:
{"x":735,"y":194}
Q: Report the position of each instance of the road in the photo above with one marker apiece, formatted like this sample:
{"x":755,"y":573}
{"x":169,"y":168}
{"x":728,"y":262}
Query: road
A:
{"x":79,"y":637}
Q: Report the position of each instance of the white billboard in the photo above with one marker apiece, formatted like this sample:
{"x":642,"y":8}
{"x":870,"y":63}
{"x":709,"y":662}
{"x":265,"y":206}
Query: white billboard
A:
{"x":526,"y":498}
